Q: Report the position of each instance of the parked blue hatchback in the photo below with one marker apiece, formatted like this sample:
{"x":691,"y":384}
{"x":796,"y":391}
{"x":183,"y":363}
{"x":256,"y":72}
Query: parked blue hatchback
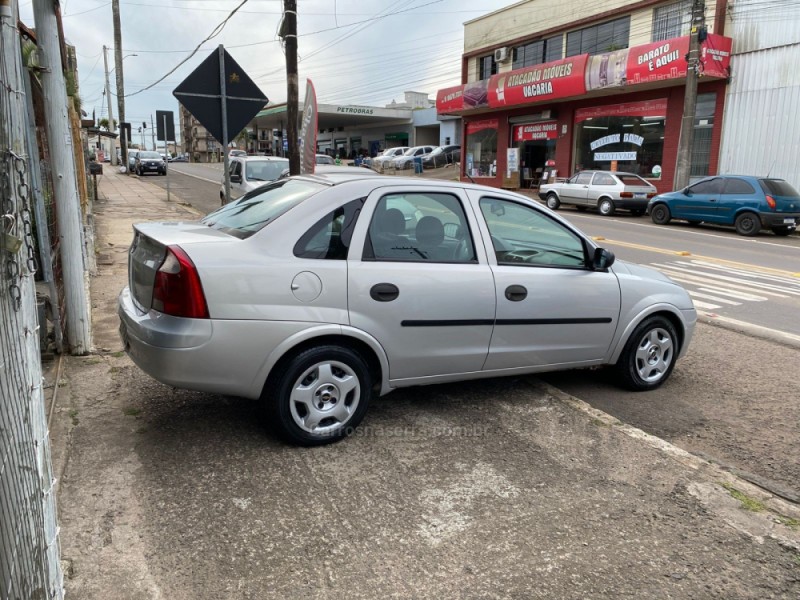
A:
{"x":748,"y":203}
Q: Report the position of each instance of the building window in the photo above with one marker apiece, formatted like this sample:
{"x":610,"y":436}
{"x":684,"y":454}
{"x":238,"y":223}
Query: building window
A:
{"x":606,"y":37}
{"x":672,"y":20}
{"x":625,"y":137}
{"x":481,"y":152}
{"x":486,"y":66}
{"x":703,"y":129}
{"x":538,"y":52}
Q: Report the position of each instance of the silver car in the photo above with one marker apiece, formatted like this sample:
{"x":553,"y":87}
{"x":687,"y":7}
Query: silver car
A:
{"x":385,"y":159}
{"x":606,"y":191}
{"x":312,"y":294}
{"x":249,"y":172}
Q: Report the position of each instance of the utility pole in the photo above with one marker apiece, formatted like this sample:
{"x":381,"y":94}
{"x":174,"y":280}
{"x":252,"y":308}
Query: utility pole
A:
{"x":120,"y":80}
{"x":289,"y":34}
{"x":152,"y":133}
{"x":683,"y":164}
{"x":110,"y":112}
{"x":65,"y":184}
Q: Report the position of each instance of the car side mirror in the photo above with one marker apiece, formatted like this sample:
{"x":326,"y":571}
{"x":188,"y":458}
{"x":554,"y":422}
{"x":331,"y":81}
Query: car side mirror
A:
{"x":687,"y":191}
{"x":236,"y":179}
{"x":602,"y":259}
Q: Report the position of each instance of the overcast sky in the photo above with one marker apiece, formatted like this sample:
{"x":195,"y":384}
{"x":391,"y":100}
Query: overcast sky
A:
{"x":355,"y":51}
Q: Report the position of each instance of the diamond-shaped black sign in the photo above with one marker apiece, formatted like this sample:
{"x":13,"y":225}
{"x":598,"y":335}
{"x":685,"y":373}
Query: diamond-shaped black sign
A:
{"x":201,"y":94}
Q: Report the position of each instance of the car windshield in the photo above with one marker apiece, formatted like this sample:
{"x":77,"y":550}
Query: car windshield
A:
{"x":410,"y":152}
{"x":436,"y":151}
{"x":631,"y":179}
{"x":149,"y":155}
{"x":324,"y":160}
{"x":265,"y":170}
{"x":253,"y":211}
{"x":778,"y":187}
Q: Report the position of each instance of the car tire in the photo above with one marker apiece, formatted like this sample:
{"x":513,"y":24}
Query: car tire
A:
{"x":660,"y":214}
{"x":649,"y":355}
{"x":606,"y":207}
{"x":319,"y":396}
{"x":552,"y":201}
{"x":748,"y":224}
{"x":783,"y":230}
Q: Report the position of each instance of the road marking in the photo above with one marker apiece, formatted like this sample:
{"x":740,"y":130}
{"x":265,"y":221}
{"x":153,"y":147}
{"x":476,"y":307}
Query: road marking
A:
{"x":694,"y":294}
{"x":737,"y":295}
{"x":783,"y":279}
{"x":717,"y":278}
{"x":691,"y":279}
{"x":196,"y":176}
{"x":704,"y":305}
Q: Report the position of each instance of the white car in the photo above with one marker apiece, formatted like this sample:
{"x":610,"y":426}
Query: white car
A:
{"x":406,"y":161}
{"x":314,"y":293}
{"x":606,"y":191}
{"x":388,"y":155}
{"x":249,"y":172}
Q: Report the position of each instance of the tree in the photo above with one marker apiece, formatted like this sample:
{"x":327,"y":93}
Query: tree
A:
{"x":103,"y":124}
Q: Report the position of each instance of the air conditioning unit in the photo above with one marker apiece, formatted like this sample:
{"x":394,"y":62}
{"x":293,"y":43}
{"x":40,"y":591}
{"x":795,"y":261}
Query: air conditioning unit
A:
{"x":501,"y":55}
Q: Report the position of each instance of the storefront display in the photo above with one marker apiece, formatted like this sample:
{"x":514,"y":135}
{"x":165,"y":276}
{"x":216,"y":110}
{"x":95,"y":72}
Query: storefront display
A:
{"x":481,"y":147}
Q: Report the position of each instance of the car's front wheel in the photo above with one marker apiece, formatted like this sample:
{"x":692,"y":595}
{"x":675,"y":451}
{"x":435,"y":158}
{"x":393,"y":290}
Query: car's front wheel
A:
{"x":552,"y":201}
{"x":649,"y":355}
{"x":319,"y":396}
{"x":606,"y":207}
{"x":660,"y":214}
{"x":748,"y":224}
{"x":783,"y":230}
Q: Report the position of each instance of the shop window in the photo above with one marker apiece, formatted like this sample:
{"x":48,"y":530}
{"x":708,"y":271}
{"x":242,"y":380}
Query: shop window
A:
{"x":626,"y":138}
{"x":538,"y":52}
{"x":606,"y":37}
{"x":703,"y":130}
{"x":481,"y":148}
{"x":486,"y":66}
{"x":672,"y":20}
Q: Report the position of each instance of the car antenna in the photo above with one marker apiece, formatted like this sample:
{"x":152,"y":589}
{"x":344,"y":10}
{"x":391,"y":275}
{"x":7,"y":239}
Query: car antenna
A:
{"x":771,"y":167}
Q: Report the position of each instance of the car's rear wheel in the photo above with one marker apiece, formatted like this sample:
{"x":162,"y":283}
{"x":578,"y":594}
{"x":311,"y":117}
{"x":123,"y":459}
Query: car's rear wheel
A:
{"x":660,"y":214}
{"x":748,"y":224}
{"x":552,"y":201}
{"x":783,"y":230}
{"x":606,"y":207}
{"x":319,"y":396}
{"x":649,"y":355}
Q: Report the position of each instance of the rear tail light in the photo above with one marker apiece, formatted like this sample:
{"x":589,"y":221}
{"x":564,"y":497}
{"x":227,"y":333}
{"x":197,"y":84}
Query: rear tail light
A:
{"x":771,"y":202}
{"x":651,"y":195}
{"x":626,"y":194}
{"x":177,"y":290}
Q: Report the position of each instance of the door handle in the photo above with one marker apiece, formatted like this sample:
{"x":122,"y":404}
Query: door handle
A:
{"x":712,"y":200}
{"x":384,"y":292}
{"x":516,"y":293}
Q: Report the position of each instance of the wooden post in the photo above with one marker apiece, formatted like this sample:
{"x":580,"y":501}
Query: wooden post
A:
{"x":65,"y":187}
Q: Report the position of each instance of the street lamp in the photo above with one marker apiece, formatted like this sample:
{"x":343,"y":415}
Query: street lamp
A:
{"x":123,"y":58}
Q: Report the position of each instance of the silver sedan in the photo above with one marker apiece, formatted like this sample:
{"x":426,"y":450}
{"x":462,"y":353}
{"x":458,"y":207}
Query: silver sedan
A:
{"x":314,"y":293}
{"x":606,"y":191}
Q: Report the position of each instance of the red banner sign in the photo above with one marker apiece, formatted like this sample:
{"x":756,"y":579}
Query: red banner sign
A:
{"x":715,"y":55}
{"x":647,"y":108}
{"x":544,"y":130}
{"x":549,"y":81}
{"x":450,"y":99}
{"x":476,"y":126}
{"x":657,"y":61}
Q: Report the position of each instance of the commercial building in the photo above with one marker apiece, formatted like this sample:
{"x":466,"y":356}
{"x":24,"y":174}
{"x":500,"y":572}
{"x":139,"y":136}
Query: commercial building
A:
{"x":549,"y":90}
{"x":197,"y":143}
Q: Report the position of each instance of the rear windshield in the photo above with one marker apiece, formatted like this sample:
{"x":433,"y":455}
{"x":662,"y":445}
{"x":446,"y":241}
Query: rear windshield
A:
{"x":149,"y":155}
{"x":253,"y":211}
{"x":778,"y":187}
{"x":631,"y":179}
{"x":265,"y":170}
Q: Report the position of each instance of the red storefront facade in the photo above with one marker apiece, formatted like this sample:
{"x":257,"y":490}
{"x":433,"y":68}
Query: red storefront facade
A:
{"x":620,"y":110}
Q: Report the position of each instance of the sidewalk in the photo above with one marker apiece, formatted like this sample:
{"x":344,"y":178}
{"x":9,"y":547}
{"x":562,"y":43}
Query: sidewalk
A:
{"x":490,"y":489}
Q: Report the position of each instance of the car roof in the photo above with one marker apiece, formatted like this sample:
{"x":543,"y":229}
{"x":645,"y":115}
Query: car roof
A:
{"x":260,"y":158}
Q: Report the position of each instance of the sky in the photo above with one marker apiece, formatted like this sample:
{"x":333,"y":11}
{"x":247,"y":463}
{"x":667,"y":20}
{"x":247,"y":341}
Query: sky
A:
{"x":364,"y":52}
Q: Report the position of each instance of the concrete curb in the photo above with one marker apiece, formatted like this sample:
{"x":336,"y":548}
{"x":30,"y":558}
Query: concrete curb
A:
{"x":757,"y":331}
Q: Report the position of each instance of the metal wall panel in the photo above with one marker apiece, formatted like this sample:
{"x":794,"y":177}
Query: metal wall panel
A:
{"x":756,"y":25}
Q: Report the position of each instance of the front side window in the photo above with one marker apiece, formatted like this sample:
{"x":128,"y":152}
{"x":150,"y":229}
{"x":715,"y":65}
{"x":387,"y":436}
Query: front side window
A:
{"x":523,"y":236}
{"x":330,"y":237}
{"x":481,"y":148}
{"x":672,"y":20}
{"x":707,"y":186}
{"x":605,"y":37}
{"x":584,"y":179}
{"x":420,"y":227}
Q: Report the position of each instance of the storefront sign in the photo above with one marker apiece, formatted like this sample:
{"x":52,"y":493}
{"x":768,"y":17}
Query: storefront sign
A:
{"x":615,"y":156}
{"x":715,"y":55}
{"x":557,"y":79}
{"x":355,"y":110}
{"x":450,"y":99}
{"x":648,"y":108}
{"x":476,"y":126}
{"x":512,"y":160}
{"x":628,"y":138}
{"x":657,"y":61}
{"x":544,"y":130}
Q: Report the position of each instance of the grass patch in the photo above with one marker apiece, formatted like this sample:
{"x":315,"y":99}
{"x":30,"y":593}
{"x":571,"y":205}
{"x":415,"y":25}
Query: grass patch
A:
{"x":131,"y":412}
{"x":114,"y":370}
{"x":748,"y":503}
{"x":93,"y":361}
{"x":789,"y":522}
{"x":119,"y":354}
{"x":73,"y":415}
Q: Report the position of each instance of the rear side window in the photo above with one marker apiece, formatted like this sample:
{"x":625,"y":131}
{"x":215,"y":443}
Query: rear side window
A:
{"x":603,"y":179}
{"x":708,"y":186}
{"x":255,"y":210}
{"x":738,"y":186}
{"x":330,"y":237}
{"x":778,"y":187}
{"x":630,"y":179}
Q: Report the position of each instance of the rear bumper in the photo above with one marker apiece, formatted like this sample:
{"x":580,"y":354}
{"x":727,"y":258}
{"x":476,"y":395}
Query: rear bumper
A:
{"x":632,"y":203}
{"x":779,"y":219}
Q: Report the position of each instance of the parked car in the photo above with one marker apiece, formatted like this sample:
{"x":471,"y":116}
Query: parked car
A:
{"x":181,"y":159}
{"x":748,"y":203}
{"x":386,"y":157}
{"x":132,"y":160}
{"x":313,"y":293}
{"x":605,"y":190}
{"x":149,"y":162}
{"x":249,"y":172}
{"x":406,"y":160}
{"x":324,"y":159}
{"x":441,"y":156}
{"x":237,"y":153}
{"x":335,"y":169}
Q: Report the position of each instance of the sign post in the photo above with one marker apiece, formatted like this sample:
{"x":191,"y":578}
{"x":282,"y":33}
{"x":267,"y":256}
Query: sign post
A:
{"x":165,"y":131}
{"x":224,"y":108}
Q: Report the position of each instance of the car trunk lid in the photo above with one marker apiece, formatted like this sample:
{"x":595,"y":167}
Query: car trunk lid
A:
{"x":784,"y":195}
{"x":149,"y":248}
